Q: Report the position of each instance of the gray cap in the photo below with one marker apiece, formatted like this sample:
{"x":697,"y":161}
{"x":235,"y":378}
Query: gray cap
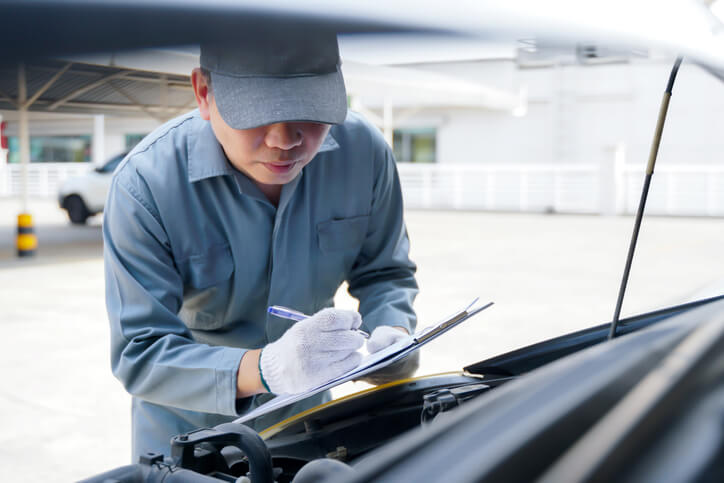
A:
{"x":286,"y":78}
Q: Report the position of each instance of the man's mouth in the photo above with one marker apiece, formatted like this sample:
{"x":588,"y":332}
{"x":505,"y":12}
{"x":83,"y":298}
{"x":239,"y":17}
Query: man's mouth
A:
{"x":280,"y":168}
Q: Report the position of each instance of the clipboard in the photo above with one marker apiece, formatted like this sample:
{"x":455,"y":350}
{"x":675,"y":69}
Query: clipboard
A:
{"x":375,"y":361}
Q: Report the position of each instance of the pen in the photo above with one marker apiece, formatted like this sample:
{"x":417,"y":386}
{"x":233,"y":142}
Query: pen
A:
{"x":287,"y":313}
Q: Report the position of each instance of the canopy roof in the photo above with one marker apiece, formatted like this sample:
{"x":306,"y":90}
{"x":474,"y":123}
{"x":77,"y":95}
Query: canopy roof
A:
{"x":64,"y":86}
{"x":155,"y":82}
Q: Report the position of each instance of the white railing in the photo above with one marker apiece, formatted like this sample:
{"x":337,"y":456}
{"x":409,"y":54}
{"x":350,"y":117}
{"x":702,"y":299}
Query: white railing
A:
{"x":44,"y":179}
{"x":514,"y":187}
{"x":688,"y":190}
{"x":676,"y":190}
{"x":681,"y":190}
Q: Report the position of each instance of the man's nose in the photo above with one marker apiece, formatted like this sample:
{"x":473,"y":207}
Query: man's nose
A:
{"x":283,"y":135}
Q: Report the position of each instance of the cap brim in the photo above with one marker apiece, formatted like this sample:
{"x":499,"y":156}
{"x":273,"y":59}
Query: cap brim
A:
{"x":248,"y":102}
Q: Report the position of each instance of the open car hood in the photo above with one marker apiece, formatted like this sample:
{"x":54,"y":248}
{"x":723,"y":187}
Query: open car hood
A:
{"x":61,"y":27}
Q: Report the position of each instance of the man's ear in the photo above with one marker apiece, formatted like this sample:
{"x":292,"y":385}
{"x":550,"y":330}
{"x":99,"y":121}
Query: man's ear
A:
{"x":201,"y":92}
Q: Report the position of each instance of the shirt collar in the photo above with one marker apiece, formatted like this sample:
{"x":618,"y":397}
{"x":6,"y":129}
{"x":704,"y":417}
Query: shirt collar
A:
{"x":206,"y":158}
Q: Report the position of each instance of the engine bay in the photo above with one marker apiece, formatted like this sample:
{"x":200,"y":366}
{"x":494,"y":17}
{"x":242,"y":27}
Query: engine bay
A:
{"x":315,"y":444}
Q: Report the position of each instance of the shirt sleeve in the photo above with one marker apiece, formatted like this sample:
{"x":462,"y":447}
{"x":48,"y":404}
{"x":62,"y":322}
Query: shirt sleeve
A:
{"x":383,"y":276}
{"x":152,"y":351}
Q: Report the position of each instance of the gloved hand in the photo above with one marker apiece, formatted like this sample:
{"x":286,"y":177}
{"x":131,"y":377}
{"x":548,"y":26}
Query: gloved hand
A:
{"x":312,"y":352}
{"x":384,"y":336}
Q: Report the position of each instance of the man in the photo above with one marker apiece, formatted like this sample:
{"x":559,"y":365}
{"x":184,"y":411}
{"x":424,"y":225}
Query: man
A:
{"x":269,"y":194}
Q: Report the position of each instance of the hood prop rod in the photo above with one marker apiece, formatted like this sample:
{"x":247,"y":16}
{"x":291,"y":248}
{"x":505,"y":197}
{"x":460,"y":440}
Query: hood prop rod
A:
{"x":644,"y":194}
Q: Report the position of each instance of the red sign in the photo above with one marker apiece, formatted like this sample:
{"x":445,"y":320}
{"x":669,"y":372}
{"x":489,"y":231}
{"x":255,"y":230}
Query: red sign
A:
{"x":3,"y":138}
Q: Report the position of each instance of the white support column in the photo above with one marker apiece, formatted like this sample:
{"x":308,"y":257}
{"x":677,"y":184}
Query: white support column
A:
{"x":24,"y":135}
{"x":3,"y":164}
{"x":99,"y":139}
{"x":611,"y":181}
{"x":406,"y":147}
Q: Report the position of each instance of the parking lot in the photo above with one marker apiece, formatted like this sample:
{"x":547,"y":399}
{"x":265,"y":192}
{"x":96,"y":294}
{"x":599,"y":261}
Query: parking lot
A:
{"x":65,"y":417}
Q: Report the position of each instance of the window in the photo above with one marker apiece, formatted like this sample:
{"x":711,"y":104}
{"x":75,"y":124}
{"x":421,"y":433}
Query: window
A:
{"x":415,"y":145}
{"x":52,"y":149}
{"x":132,"y":140}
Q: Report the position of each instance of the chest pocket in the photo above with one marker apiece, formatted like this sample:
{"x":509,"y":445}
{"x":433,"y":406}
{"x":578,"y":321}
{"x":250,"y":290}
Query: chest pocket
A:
{"x":206,"y":288}
{"x":210,"y":268}
{"x":343,"y":235}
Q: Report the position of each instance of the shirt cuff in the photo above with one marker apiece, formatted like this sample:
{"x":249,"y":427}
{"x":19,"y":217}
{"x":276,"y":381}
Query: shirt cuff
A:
{"x":226,"y":376}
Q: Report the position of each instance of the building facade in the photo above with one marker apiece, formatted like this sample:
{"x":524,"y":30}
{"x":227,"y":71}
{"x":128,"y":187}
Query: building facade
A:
{"x":577,"y":141}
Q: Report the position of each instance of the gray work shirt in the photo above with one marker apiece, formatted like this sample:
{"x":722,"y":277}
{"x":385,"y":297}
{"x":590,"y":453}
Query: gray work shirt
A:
{"x":195,"y":253}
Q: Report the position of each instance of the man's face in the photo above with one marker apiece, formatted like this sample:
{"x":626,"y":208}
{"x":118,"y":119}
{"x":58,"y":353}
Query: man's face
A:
{"x":270,"y":155}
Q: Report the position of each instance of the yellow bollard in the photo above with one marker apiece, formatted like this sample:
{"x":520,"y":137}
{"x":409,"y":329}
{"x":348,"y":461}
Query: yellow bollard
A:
{"x":26,"y":242}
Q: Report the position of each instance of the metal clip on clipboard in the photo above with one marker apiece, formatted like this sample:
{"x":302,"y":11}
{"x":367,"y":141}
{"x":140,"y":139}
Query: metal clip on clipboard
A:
{"x":433,"y":331}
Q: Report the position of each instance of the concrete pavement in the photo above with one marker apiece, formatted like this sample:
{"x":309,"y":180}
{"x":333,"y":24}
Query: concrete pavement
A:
{"x":65,"y":417}
{"x":57,"y":238}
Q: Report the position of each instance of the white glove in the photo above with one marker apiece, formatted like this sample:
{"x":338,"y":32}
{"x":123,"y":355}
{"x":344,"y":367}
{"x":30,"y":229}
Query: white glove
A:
{"x":312,"y":352}
{"x":383,"y":336}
